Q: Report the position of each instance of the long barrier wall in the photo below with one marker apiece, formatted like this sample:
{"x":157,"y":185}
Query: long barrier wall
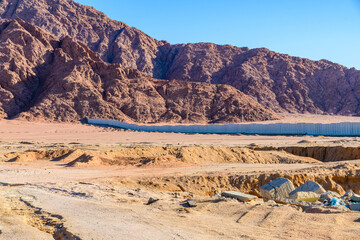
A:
{"x":331,"y":129}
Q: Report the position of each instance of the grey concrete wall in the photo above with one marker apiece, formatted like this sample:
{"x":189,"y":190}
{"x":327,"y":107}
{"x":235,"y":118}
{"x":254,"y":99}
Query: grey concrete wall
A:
{"x":331,"y":129}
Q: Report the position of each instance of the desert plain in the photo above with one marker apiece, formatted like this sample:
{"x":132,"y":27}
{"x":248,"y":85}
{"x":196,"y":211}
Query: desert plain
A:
{"x":74,"y":181}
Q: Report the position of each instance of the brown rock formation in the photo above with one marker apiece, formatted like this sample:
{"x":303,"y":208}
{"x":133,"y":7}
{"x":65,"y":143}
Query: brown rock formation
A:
{"x":278,"y":81}
{"x":114,"y":41}
{"x":44,"y":77}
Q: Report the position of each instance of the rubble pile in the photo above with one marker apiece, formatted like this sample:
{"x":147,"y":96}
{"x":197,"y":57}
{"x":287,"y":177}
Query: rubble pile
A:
{"x":310,"y":196}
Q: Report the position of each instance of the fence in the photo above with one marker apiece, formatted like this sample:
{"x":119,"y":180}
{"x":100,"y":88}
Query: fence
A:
{"x":316,"y":129}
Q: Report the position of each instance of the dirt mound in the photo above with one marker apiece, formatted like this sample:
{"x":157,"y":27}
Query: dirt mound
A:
{"x":87,"y":160}
{"x":35,"y":155}
{"x":62,"y":80}
{"x":26,"y":157}
{"x":277,"y":81}
{"x":166,"y":156}
{"x":156,"y":156}
{"x":69,"y":156}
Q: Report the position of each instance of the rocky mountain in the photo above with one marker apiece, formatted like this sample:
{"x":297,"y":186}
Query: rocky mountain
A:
{"x":277,"y":81}
{"x":114,"y":41}
{"x":44,"y":77}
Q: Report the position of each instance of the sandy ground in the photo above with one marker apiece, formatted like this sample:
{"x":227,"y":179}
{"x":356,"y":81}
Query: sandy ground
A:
{"x":16,"y":131}
{"x":91,"y":209}
{"x":44,"y":199}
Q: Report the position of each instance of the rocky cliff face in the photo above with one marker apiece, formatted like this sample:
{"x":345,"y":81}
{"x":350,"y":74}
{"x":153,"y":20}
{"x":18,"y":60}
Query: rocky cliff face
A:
{"x":42,"y":76}
{"x":114,"y":41}
{"x":280,"y":82}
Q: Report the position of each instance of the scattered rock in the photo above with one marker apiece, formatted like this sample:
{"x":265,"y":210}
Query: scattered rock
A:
{"x":191,"y":203}
{"x":296,"y":202}
{"x":328,"y":196}
{"x":204,"y":199}
{"x":217,"y":194}
{"x":325,"y":209}
{"x":355,"y":198}
{"x":354,"y":207}
{"x":279,"y":188}
{"x":152,"y":200}
{"x":271,"y":202}
{"x":26,"y":143}
{"x":239,"y":196}
{"x":350,"y":195}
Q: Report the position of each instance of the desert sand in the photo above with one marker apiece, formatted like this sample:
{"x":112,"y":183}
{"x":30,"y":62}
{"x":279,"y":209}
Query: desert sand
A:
{"x":72,"y":181}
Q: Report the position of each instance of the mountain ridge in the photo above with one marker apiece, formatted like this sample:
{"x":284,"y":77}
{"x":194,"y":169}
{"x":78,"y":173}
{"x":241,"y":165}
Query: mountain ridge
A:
{"x":44,"y":77}
{"x":280,"y":82}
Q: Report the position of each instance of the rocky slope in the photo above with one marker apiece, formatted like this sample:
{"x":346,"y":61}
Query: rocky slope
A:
{"x":114,"y":41}
{"x":44,"y":77}
{"x":278,"y":81}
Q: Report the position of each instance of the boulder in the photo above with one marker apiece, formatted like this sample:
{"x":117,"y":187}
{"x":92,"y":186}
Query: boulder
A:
{"x":355,"y":198}
{"x":328,"y":196}
{"x":239,"y":196}
{"x":350,"y":195}
{"x":296,"y":202}
{"x":305,"y":196}
{"x":309,"y":186}
{"x":279,"y":188}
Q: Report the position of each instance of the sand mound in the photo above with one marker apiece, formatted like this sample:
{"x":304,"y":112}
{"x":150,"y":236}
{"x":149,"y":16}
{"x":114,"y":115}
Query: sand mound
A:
{"x":87,"y":160}
{"x":34,"y":155}
{"x":26,"y":157}
{"x":157,"y":156}
{"x":206,"y":154}
{"x":70,"y":156}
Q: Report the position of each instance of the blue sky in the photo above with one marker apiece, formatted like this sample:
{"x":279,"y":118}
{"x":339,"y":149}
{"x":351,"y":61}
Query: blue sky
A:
{"x":314,"y":29}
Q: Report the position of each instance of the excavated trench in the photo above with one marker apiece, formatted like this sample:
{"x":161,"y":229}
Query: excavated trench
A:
{"x":339,"y":180}
{"x":336,"y":176}
{"x":321,"y":153}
